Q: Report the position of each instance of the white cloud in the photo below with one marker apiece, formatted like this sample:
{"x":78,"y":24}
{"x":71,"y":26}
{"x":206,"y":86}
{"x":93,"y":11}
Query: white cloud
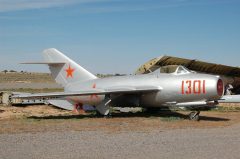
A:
{"x":16,"y":5}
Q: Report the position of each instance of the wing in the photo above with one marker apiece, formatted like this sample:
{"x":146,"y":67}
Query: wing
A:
{"x":109,"y":90}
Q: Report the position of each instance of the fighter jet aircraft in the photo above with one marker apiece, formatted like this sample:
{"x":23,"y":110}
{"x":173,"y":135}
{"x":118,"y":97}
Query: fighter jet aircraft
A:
{"x":229,"y":74}
{"x":182,"y":88}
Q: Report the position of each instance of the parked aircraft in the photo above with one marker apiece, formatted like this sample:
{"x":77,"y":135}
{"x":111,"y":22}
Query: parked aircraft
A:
{"x":182,"y":88}
{"x":229,"y":74}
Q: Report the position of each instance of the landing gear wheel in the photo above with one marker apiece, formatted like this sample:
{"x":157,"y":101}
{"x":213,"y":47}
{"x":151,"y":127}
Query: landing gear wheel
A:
{"x":100,"y":115}
{"x":108,"y":116}
{"x":194,"y":116}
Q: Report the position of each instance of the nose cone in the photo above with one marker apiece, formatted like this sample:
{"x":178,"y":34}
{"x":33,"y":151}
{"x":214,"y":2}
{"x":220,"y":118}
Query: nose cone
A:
{"x":220,"y":87}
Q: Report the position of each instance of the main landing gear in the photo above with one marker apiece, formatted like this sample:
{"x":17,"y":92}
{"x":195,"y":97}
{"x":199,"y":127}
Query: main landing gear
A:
{"x":194,"y":116}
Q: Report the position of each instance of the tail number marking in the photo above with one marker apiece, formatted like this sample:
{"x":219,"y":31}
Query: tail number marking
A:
{"x":193,"y":87}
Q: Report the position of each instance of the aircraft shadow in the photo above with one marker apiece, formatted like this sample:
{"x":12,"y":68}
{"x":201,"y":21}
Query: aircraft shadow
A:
{"x":166,"y":114}
{"x":26,"y":105}
{"x":209,"y":118}
{"x":162,"y":114}
{"x":78,"y":116}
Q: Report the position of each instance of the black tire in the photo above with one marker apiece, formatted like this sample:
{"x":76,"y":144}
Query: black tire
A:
{"x":194,"y":116}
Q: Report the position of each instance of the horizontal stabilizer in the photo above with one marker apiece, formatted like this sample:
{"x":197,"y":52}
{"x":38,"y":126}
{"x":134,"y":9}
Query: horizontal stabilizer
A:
{"x":44,"y":63}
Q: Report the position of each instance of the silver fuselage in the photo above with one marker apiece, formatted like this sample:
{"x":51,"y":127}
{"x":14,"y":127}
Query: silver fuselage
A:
{"x":181,"y":88}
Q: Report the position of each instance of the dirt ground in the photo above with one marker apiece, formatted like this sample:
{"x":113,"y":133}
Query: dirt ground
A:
{"x":26,"y":77}
{"x":28,"y":82}
{"x":42,"y":118}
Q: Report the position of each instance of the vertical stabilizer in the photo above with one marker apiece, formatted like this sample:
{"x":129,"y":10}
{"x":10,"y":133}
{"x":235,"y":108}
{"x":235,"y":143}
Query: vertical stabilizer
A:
{"x":63,"y":69}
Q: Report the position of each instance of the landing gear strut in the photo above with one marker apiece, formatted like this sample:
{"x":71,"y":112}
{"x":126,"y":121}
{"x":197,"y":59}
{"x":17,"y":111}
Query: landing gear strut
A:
{"x":109,"y":115}
{"x":194,"y":116}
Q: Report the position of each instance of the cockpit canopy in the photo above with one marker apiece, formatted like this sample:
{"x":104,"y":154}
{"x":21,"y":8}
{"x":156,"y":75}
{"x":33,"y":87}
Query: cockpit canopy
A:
{"x":174,"y":69}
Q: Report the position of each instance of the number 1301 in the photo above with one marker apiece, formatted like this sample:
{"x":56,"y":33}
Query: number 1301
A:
{"x":194,"y":87}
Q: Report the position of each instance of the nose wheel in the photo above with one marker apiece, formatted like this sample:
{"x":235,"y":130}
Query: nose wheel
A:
{"x":194,"y":116}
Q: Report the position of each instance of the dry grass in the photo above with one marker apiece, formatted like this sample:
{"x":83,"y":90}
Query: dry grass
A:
{"x":28,"y":82}
{"x":46,"y":118}
{"x":26,"y":77}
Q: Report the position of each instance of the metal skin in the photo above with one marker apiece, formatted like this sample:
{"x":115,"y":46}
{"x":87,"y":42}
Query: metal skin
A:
{"x":171,"y":92}
{"x":229,"y":74}
{"x":180,"y":88}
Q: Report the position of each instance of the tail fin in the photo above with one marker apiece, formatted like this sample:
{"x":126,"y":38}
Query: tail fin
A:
{"x":63,"y":69}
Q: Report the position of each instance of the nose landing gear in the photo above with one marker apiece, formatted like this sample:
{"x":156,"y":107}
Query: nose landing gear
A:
{"x":194,"y":116}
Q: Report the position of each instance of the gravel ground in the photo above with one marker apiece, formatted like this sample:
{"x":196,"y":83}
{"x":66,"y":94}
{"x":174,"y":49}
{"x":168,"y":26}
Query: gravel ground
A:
{"x":186,"y":143}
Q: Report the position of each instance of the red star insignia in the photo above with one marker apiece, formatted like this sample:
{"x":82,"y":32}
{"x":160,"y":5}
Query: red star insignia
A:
{"x":70,"y":71}
{"x":94,"y":95}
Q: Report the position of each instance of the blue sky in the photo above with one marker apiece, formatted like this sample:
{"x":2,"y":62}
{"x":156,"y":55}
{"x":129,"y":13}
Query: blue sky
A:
{"x":116,"y":36}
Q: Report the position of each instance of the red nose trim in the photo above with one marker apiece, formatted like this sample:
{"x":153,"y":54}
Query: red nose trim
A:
{"x":220,"y":87}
